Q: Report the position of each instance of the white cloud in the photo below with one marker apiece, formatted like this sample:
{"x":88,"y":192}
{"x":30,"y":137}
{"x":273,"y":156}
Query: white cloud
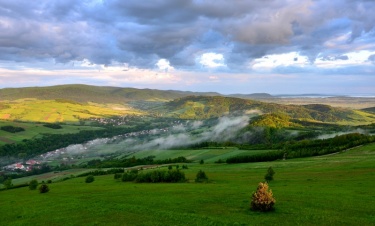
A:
{"x":359,"y":58}
{"x":212,"y":60}
{"x":164,"y":65}
{"x":275,"y":60}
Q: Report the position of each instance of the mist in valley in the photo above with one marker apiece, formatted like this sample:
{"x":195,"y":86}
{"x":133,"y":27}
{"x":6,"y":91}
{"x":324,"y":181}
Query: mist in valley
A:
{"x":183,"y":133}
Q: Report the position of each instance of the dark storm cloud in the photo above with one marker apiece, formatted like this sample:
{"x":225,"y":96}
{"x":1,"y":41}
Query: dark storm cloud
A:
{"x":141,"y":32}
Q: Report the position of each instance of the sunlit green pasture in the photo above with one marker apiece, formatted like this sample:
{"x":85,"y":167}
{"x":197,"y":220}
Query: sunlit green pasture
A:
{"x":34,"y":130}
{"x":209,"y":155}
{"x":34,"y":110}
{"x":328,"y":190}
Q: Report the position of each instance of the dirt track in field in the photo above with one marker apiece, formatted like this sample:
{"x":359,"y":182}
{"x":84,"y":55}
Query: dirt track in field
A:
{"x":6,"y":140}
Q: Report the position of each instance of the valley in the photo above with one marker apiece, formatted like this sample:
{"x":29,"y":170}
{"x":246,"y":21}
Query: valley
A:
{"x":62,"y":134}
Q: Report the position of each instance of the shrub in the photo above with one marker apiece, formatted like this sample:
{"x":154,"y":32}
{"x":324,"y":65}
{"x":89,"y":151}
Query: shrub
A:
{"x":33,"y":184}
{"x":49,"y":181}
{"x":170,"y":167}
{"x":117,"y":176}
{"x":89,"y":179}
{"x":12,"y":129}
{"x":262,"y":199}
{"x":201,"y":162}
{"x":129,"y":176}
{"x":157,"y":176}
{"x":8,"y":183}
{"x":269,"y":175}
{"x":43,"y":188}
{"x":220,"y":161}
{"x":201,"y":177}
{"x":185,"y":167}
{"x":53,"y":126}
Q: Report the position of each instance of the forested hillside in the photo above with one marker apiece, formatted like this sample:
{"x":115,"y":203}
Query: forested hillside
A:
{"x":204,"y":107}
{"x":97,"y":94}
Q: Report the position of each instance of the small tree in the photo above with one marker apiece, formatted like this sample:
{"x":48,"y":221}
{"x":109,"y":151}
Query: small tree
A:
{"x":33,"y":184}
{"x":269,"y":175}
{"x":201,"y":177}
{"x":117,"y":176}
{"x":89,"y":179}
{"x":8,"y":183}
{"x":170,"y":167}
{"x":263,"y":199}
{"x":201,"y":162}
{"x":43,"y":188}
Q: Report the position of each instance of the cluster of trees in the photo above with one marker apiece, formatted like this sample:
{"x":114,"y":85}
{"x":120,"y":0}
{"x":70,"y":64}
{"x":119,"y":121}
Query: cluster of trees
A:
{"x":263,"y":157}
{"x":53,"y":126}
{"x":307,"y":148}
{"x":12,"y":129}
{"x":50,"y":142}
{"x":155,"y":176}
{"x":133,"y":161}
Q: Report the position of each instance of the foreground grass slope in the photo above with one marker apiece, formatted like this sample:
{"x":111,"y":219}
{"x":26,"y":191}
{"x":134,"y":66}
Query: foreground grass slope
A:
{"x":326,"y":190}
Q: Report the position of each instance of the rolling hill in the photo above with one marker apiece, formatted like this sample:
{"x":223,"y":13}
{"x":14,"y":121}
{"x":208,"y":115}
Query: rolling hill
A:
{"x":96,"y":94}
{"x":84,"y":101}
{"x":204,"y":107}
{"x":58,"y":110}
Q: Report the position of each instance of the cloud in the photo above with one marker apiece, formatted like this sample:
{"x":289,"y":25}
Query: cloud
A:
{"x":212,"y":60}
{"x":184,"y":35}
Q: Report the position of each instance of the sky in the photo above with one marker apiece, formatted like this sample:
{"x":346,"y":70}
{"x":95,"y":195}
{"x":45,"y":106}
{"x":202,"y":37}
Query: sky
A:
{"x":236,"y":46}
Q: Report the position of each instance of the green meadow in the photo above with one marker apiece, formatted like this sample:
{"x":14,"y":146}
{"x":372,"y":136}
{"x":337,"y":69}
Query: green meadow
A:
{"x":34,"y":110}
{"x":327,"y":190}
{"x":36,"y":130}
{"x":209,"y":155}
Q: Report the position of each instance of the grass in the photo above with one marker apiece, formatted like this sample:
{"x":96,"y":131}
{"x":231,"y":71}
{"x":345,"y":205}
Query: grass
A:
{"x":34,"y":130}
{"x":326,"y":190}
{"x":35,"y":110}
{"x":208,"y":155}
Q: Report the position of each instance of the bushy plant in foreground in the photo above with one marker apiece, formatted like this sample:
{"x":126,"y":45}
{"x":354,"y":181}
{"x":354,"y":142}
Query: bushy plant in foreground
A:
{"x":263,"y":199}
{"x":43,"y":188}
{"x":201,"y":177}
{"x":90,"y":179}
{"x":33,"y":184}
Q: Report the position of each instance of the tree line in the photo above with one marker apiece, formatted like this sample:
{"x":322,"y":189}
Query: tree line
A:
{"x":307,"y":148}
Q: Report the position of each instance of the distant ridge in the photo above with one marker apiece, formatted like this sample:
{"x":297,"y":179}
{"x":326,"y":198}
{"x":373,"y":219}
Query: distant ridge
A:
{"x":97,"y":94}
{"x":252,"y":96}
{"x":204,"y":107}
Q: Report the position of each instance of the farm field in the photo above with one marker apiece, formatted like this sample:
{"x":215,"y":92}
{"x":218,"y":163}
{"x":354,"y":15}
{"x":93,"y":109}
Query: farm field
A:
{"x":35,"y":110}
{"x":327,"y":190}
{"x":209,"y":155}
{"x":35,"y":130}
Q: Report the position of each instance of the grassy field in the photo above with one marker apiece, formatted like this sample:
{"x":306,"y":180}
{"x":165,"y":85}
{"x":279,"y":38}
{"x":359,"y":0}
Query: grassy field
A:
{"x":208,"y":155}
{"x":327,"y":190}
{"x":58,"y":111}
{"x":34,"y":130}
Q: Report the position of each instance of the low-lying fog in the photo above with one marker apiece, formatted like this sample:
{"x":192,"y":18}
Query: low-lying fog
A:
{"x":181,"y":134}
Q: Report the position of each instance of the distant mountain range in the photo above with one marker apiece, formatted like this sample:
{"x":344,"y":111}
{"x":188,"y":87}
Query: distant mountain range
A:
{"x":171,"y":103}
{"x":106,"y":94}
